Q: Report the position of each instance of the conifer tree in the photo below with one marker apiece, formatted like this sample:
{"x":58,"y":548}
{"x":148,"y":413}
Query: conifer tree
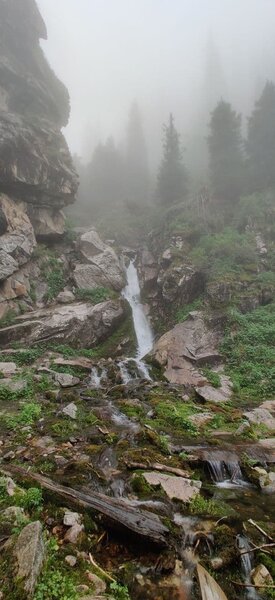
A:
{"x":226,"y":155}
{"x":261,"y":140}
{"x":172,"y":181}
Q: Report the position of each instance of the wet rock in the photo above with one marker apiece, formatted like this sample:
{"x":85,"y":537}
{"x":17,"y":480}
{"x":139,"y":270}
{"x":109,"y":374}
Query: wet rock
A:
{"x":80,"y":324}
{"x":65,"y":297}
{"x":70,"y":410}
{"x":66,"y":380}
{"x":261,"y":576}
{"x":267,"y":482}
{"x":73,"y":534}
{"x":261,"y":416}
{"x":71,"y":518}
{"x":29,"y":553}
{"x":178,"y":488}
{"x":71,"y":560}
{"x":7,"y":369}
{"x":185,"y":348}
{"x":216,"y":395}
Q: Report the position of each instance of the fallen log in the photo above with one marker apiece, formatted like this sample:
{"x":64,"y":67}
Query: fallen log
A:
{"x":117,"y":513}
{"x":156,"y":467}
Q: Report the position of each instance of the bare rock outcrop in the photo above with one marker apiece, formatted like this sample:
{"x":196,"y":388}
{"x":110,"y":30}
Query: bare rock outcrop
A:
{"x":81,"y":325}
{"x":101,"y":266}
{"x":35,"y":163}
{"x":185,"y":348}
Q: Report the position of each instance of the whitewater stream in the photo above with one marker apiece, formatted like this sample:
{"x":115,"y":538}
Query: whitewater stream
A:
{"x":143,"y":331}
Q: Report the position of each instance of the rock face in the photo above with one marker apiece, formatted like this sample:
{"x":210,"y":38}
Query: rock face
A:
{"x":35,"y":163}
{"x":29,"y":553}
{"x":37,"y":177}
{"x":78,"y":324}
{"x":101,"y":267}
{"x":186,"y":347}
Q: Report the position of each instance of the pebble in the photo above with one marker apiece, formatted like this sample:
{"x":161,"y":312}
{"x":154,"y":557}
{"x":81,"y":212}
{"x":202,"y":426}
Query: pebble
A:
{"x":71,"y":518}
{"x":71,"y":560}
{"x":99,"y":585}
{"x":73,"y":534}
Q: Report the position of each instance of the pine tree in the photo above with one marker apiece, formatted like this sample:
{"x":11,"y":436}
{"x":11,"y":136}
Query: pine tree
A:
{"x":172,"y":181}
{"x":136,"y":160}
{"x":226,"y":155}
{"x":105,"y":178}
{"x":261,"y":140}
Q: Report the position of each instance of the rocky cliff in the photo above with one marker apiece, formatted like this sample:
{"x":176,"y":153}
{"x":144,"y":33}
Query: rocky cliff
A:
{"x":37,"y":177}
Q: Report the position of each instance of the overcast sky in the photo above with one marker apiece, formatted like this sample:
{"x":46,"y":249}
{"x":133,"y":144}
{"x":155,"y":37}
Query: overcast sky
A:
{"x":111,"y":52}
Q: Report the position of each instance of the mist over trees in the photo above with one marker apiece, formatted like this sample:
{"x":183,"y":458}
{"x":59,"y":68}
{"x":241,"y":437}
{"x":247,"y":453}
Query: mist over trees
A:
{"x":226,"y":159}
{"x":137,"y":178}
{"x":261,"y":140}
{"x":172,"y":179}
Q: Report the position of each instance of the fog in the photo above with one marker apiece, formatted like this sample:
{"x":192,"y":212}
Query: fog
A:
{"x":170,"y":56}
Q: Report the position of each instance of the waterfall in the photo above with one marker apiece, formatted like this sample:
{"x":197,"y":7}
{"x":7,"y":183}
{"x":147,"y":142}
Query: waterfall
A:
{"x":226,"y":473}
{"x":143,"y":331}
{"x":246,"y":562}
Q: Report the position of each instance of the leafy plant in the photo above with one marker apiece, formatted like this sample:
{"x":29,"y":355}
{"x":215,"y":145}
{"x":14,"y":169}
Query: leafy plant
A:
{"x":119,"y":592}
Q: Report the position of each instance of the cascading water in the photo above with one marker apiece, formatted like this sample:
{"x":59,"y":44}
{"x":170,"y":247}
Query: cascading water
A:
{"x":246,"y":562}
{"x":143,"y":331}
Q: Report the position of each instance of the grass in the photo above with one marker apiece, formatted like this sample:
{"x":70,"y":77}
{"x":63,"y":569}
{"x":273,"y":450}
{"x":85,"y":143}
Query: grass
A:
{"x":212,"y":377}
{"x":171,"y":413}
{"x":201,"y":506}
{"x":249,"y":350}
{"x":183,"y":312}
{"x":96,"y":295}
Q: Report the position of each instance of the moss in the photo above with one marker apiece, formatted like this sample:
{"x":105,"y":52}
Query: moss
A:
{"x":140,"y":486}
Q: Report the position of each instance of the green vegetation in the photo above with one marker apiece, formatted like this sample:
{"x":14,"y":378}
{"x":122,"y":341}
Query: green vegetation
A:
{"x":249,"y":349}
{"x":171,"y":412}
{"x":55,"y":583}
{"x":201,"y":506}
{"x":28,"y":414}
{"x":119,"y":592}
{"x":53,"y":272}
{"x":95,"y":295}
{"x":213,"y":377}
{"x":182,"y":313}
{"x":8,"y":319}
{"x":225,"y":253}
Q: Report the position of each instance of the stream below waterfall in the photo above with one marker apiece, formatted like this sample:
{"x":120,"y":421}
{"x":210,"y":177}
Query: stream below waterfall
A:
{"x":126,"y":409}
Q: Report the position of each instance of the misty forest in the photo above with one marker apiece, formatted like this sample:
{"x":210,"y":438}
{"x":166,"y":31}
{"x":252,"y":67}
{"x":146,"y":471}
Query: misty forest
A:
{"x":137,"y":300}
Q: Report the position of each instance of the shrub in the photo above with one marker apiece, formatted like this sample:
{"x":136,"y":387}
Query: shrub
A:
{"x":95,"y":296}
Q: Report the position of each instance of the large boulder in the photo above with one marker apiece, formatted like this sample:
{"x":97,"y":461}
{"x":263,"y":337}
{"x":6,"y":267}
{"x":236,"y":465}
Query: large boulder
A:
{"x":101,"y":267}
{"x":185,"y":348}
{"x":180,"y":283}
{"x":29,"y":553}
{"x":78,"y":324}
